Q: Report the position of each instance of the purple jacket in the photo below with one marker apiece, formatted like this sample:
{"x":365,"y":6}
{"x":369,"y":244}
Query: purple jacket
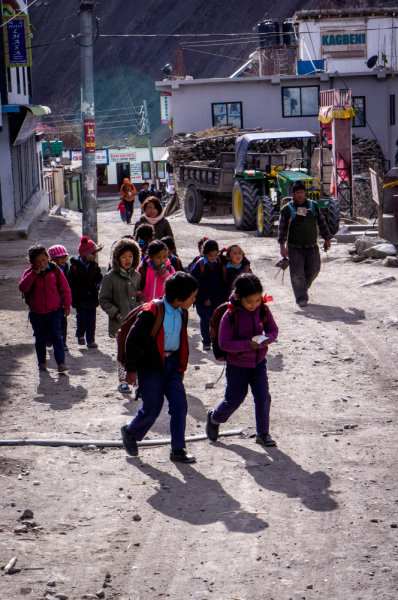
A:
{"x":237,"y":344}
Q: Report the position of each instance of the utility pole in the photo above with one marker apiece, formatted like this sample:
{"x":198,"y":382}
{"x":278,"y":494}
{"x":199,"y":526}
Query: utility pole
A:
{"x":148,"y":134}
{"x":89,"y":174}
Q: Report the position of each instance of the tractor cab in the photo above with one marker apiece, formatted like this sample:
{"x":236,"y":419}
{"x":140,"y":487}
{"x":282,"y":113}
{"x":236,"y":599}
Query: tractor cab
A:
{"x":262,"y":180}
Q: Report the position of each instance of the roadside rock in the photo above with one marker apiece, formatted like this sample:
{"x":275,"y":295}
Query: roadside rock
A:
{"x":378,"y":281}
{"x":137,"y":517}
{"x":380,"y":251}
{"x":390,"y":261}
{"x":357,"y":258}
{"x":364,"y":243}
{"x":21,"y":529}
{"x":27,"y":514}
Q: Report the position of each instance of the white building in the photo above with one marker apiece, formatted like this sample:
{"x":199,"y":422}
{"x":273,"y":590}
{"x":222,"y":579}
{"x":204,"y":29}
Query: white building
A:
{"x":21,"y":184}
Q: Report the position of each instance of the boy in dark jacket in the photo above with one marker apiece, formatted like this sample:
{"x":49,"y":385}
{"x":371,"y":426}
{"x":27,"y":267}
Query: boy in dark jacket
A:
{"x":159,"y":360}
{"x":208,"y":273}
{"x":85,"y":279}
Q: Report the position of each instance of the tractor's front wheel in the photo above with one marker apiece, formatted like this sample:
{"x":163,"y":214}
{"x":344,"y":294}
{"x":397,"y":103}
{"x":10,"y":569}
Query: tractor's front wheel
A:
{"x":245,"y":199}
{"x":334,"y":216}
{"x":265,"y":217}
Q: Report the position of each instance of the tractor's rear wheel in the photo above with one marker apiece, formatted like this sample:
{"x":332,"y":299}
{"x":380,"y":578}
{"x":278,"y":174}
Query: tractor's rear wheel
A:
{"x":245,"y":199}
{"x":265,"y":217}
{"x":334,"y":216}
{"x":193,"y":205}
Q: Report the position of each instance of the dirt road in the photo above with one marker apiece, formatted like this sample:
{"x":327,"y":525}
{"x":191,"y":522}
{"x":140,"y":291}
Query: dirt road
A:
{"x":311,"y":518}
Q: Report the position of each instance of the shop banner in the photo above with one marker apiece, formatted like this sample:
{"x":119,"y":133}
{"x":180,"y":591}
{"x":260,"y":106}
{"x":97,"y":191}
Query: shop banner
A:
{"x":120,"y":156}
{"x":166,"y":112}
{"x":89,"y":136}
{"x":343,"y":43}
{"x":135,"y":172}
{"x":101,"y":156}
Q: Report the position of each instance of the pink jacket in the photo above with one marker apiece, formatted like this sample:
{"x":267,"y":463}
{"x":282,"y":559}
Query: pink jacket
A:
{"x":154,"y":285}
{"x":46,"y":297}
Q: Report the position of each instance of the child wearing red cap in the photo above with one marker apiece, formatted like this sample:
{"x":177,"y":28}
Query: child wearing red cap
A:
{"x":59,"y":255}
{"x":85,"y":279}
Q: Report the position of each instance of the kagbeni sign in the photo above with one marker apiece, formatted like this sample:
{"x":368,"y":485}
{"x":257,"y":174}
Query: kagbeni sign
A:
{"x":120,"y":156}
{"x":166,"y":113}
{"x":16,"y":40}
{"x":343,"y":43}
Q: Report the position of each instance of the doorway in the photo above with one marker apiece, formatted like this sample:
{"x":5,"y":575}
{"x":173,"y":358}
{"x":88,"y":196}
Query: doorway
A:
{"x":122,"y":172}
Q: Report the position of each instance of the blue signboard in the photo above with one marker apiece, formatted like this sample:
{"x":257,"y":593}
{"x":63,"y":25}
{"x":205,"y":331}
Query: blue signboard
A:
{"x":16,"y":34}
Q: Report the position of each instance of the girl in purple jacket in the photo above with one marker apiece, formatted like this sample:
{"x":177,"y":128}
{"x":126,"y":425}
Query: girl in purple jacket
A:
{"x":242,"y":338}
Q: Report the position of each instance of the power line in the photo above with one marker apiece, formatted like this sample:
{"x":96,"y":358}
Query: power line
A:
{"x":21,"y":12}
{"x":55,"y":22}
{"x":222,"y":55}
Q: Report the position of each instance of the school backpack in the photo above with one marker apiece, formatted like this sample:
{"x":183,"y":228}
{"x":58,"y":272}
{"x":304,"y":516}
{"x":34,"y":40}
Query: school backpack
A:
{"x":215,"y":326}
{"x":143,"y":269}
{"x":129,"y":322}
{"x":202,"y":264}
{"x":57,"y":272}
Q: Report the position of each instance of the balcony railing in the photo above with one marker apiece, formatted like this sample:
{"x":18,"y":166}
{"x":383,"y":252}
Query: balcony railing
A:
{"x":335,"y":98}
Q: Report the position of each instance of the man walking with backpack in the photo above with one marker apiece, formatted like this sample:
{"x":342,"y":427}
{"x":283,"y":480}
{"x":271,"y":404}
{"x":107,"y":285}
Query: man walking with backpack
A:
{"x":298,"y":228}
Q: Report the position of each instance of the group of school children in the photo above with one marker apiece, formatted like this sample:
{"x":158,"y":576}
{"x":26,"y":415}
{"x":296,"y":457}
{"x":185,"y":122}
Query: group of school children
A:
{"x":146,"y":294}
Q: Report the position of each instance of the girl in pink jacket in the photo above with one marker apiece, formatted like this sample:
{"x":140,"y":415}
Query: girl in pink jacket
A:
{"x":48,"y":295}
{"x":154,"y":271}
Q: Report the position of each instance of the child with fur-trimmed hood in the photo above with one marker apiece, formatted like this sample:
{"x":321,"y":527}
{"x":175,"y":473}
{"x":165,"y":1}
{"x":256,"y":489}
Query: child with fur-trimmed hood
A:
{"x":120,"y":291}
{"x":121,"y":286}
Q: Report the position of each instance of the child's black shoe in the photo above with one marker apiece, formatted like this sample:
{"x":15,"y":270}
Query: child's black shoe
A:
{"x":62,"y":368}
{"x":206,"y":347}
{"x":129,"y":443}
{"x":43,"y":367}
{"x":211,"y":428}
{"x":264,"y":439}
{"x":81,"y":341}
{"x":182,"y":456}
{"x":92,"y":345}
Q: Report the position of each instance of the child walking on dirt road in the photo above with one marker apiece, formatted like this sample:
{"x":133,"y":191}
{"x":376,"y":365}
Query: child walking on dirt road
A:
{"x":59,"y":255}
{"x":154,"y":270}
{"x":120,"y":291}
{"x":48,"y":295}
{"x":156,"y":352}
{"x":208,"y":274}
{"x":84,"y":279}
{"x":241,"y":334}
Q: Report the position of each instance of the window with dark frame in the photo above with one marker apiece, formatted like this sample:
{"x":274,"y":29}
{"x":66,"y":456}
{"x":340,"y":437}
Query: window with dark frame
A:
{"x":146,"y":170}
{"x":228,"y":113}
{"x":102,"y":175}
{"x":9,"y":80}
{"x":358,"y":104}
{"x":18,"y":81}
{"x":300,"y":101}
{"x":392,"y":109}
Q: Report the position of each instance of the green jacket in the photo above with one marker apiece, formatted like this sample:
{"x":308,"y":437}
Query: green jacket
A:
{"x":119,"y":290}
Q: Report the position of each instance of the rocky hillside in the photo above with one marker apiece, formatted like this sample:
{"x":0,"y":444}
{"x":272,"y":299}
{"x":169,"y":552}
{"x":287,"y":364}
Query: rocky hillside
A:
{"x":134,"y":63}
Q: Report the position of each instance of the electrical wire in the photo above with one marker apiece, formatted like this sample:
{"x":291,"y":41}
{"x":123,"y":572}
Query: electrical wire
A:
{"x":55,"y":22}
{"x":245,"y":60}
{"x":21,"y":12}
{"x":96,"y":36}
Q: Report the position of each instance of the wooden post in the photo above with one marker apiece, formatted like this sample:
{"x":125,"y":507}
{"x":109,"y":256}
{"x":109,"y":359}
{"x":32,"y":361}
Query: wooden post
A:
{"x":377,"y":195}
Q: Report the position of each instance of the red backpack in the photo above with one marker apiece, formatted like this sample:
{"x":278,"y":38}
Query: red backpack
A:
{"x":129,"y":322}
{"x":215,"y":326}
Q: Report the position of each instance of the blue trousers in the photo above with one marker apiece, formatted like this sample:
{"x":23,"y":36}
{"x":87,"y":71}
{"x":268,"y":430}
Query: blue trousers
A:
{"x":238,"y":381}
{"x":204,"y":313}
{"x":48,"y":327}
{"x":64,"y":329}
{"x":129,"y":206}
{"x":154,"y":385}
{"x":85,"y":323}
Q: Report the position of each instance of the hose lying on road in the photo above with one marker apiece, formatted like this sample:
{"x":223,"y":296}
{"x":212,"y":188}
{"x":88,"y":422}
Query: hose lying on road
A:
{"x":107,"y":443}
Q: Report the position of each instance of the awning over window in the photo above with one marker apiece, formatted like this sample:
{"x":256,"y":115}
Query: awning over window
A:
{"x":36,"y":109}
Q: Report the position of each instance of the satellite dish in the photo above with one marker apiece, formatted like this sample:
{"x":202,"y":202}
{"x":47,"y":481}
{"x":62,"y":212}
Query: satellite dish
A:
{"x":167,"y":70}
{"x":372,"y":61}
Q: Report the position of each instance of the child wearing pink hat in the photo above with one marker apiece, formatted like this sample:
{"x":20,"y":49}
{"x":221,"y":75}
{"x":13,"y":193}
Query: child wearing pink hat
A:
{"x":85,"y":280}
{"x":59,"y":255}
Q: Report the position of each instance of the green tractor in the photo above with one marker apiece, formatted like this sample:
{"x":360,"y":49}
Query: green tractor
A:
{"x":263,"y":183}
